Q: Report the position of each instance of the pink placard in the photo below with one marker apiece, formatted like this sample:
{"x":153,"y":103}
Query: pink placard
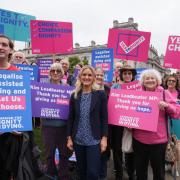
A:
{"x":51,"y":37}
{"x":134,"y":85}
{"x":134,"y":109}
{"x":129,"y":45}
{"x":172,"y":57}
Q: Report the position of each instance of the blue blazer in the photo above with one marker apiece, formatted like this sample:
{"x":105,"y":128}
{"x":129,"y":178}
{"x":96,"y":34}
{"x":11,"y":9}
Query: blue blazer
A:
{"x":98,"y":114}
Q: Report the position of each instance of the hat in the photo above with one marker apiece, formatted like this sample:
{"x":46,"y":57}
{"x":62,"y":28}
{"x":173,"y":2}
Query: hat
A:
{"x":127,"y":68}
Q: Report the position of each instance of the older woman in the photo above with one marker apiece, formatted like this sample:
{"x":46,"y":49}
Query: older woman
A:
{"x":87,"y":124}
{"x":66,"y":79}
{"x":54,"y":133}
{"x":127,"y":74}
{"x":151,"y":146}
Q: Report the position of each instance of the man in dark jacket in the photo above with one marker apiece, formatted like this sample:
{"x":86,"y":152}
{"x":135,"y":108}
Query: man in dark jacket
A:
{"x":17,"y":149}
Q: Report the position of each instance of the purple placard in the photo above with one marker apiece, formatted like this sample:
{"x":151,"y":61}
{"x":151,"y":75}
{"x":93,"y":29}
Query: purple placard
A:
{"x":76,"y":72}
{"x":43,"y":71}
{"x":50,"y":100}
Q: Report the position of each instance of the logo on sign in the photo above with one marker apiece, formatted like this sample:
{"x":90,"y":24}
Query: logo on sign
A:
{"x":128,"y":44}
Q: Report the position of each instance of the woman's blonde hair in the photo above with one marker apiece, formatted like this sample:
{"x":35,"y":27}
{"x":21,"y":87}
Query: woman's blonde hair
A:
{"x":79,"y":86}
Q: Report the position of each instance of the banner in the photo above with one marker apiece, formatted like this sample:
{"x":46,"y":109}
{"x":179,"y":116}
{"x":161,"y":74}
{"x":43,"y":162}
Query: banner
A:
{"x":51,"y":37}
{"x":33,"y":70}
{"x":134,"y":109}
{"x":104,"y":58}
{"x":50,"y":100}
{"x":171,"y":59}
{"x":43,"y":71}
{"x":129,"y":45}
{"x":134,"y":85}
{"x":15,"y":101}
{"x":139,"y":71}
{"x":15,"y":25}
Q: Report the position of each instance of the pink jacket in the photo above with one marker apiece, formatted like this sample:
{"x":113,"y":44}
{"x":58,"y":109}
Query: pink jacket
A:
{"x":173,"y":110}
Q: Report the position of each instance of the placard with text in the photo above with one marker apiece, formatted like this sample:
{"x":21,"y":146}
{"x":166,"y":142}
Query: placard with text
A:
{"x":134,"y":109}
{"x":51,"y":37}
{"x":15,"y":101}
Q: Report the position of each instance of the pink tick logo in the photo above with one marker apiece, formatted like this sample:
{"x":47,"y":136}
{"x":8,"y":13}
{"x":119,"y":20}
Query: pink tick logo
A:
{"x":129,"y":45}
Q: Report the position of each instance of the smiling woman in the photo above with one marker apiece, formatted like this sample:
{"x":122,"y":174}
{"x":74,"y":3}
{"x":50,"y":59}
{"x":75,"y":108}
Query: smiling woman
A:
{"x":151,"y":146}
{"x":87,"y":124}
{"x":54,"y":131}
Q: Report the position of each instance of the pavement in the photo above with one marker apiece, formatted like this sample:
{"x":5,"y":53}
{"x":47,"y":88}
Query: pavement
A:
{"x":111,"y":176}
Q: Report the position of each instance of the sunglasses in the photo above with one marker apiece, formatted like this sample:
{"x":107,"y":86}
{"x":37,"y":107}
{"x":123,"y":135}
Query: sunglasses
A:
{"x":57,"y":71}
{"x":172,"y":81}
{"x":127,"y":73}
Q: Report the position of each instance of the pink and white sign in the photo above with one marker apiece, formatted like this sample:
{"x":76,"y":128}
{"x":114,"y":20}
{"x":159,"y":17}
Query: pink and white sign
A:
{"x":129,"y":45}
{"x":134,"y":109}
{"x":134,"y":85}
{"x":51,"y":37}
{"x":172,"y":57}
{"x":104,"y":66}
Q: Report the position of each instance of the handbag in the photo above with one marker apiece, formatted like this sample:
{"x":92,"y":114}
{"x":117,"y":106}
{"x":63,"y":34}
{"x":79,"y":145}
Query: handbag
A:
{"x":127,"y":141}
{"x":178,"y":150}
{"x":170,"y":153}
{"x":171,"y":149}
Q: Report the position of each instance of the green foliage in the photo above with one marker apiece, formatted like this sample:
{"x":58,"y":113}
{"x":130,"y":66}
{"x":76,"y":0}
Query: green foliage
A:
{"x":85,"y":61}
{"x":39,"y":142}
{"x":72,"y":63}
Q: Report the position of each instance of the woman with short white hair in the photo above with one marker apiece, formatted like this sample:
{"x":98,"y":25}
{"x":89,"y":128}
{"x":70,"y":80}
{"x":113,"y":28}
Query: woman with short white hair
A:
{"x":151,"y":146}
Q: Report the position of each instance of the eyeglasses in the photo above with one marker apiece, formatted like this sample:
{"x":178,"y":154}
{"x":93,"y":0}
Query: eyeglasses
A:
{"x":57,"y":71}
{"x":127,"y":73}
{"x":3,"y":44}
{"x":172,"y":81}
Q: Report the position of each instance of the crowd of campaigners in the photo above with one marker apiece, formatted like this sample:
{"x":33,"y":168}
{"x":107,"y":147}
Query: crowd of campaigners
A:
{"x":87,"y":132}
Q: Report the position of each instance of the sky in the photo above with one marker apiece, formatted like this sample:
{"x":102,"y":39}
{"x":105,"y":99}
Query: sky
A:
{"x":92,"y":18}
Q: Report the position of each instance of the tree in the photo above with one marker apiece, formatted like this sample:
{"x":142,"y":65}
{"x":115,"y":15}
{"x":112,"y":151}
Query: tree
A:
{"x":72,"y":63}
{"x":85,"y":61}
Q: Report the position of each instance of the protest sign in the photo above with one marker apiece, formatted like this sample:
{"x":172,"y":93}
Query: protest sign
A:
{"x":129,"y":45}
{"x":134,"y":109}
{"x":51,"y":37}
{"x":43,"y":71}
{"x":50,"y":100}
{"x":33,"y":70}
{"x":139,"y":71}
{"x":171,"y":59}
{"x":134,"y":85}
{"x":15,"y":25}
{"x":15,"y":101}
{"x":103,"y":58}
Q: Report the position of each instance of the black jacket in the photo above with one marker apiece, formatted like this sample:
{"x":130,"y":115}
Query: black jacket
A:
{"x":98,"y":114}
